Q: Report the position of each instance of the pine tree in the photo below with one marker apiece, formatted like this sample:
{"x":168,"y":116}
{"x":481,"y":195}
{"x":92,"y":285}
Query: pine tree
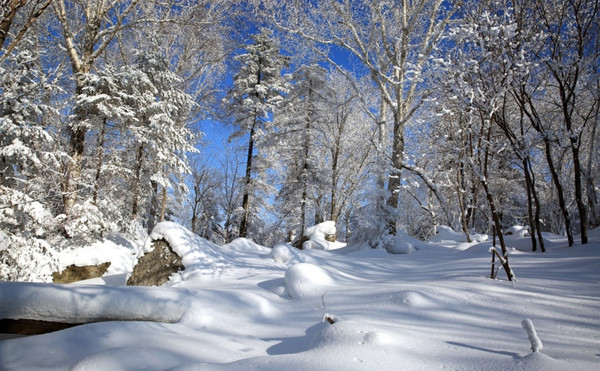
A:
{"x":297,"y":124}
{"x":160,"y":136}
{"x":258,"y":90}
{"x":28,"y":155}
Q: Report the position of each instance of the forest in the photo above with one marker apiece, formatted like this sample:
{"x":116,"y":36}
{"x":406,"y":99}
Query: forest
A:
{"x":262,"y":118}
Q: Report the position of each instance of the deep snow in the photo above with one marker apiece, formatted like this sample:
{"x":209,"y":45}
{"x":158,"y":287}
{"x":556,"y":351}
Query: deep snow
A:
{"x":244,"y":306}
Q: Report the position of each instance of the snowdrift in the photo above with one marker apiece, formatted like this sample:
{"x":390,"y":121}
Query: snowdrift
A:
{"x":244,"y":306}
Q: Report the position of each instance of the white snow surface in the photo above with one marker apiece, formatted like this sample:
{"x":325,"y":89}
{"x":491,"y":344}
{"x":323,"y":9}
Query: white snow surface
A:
{"x":316,"y":235}
{"x":243,"y":306}
{"x":115,"y":249}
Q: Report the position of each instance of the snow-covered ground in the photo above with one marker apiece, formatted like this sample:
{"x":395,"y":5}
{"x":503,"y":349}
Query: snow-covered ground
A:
{"x":244,"y":306}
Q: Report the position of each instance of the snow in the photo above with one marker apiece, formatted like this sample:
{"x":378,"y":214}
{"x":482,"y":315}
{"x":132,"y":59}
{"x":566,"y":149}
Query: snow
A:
{"x":536,"y":343}
{"x":517,"y":230}
{"x":115,"y":249}
{"x":304,"y":280}
{"x":316,"y":237}
{"x":245,"y":306}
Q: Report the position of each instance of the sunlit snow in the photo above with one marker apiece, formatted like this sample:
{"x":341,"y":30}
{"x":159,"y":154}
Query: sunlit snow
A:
{"x":243,"y":306}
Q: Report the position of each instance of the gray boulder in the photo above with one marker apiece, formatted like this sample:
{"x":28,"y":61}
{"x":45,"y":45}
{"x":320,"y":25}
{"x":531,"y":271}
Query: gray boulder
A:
{"x":156,"y":266}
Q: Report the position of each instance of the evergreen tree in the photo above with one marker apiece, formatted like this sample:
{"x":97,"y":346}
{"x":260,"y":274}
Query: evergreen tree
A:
{"x":28,"y":157}
{"x":258,"y":89}
{"x":297,"y":124}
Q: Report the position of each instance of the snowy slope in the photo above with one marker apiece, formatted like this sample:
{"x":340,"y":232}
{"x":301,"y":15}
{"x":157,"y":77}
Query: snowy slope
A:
{"x":250,"y":307}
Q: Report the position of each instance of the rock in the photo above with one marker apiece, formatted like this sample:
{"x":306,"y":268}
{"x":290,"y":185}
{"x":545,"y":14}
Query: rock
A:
{"x":156,"y":266}
{"x":330,"y":237}
{"x":299,"y":244}
{"x":74,"y":273}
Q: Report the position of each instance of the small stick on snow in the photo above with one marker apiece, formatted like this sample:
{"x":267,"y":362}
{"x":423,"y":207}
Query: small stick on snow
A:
{"x":536,"y":343}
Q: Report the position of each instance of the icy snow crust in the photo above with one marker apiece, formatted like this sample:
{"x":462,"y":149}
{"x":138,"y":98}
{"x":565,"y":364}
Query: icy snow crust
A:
{"x":242,"y":306}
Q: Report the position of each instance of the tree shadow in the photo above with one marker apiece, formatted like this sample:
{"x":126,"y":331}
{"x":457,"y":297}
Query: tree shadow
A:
{"x":510,"y":354}
{"x":296,"y":344}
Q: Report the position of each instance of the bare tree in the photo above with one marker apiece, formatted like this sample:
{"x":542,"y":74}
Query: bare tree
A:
{"x":99,"y":21}
{"x":391,"y":41}
{"x":8,"y":11}
{"x":570,"y":53}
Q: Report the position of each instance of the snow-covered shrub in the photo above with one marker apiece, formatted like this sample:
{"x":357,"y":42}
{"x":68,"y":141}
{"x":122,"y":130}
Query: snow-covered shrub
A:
{"x":25,"y":224}
{"x":26,"y":259}
{"x":320,"y":237}
{"x":87,"y":222}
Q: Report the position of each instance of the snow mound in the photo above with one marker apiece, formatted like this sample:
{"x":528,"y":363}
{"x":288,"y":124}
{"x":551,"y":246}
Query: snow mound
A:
{"x":120,"y":255}
{"x":304,"y":280}
{"x":517,"y":230}
{"x":413,"y":299}
{"x":402,"y":243}
{"x":350,"y":333}
{"x":245,"y":245}
{"x":540,"y":362}
{"x":446,"y":234}
{"x":282,"y":253}
{"x":128,"y":358}
{"x":197,"y":254}
{"x":317,"y":237}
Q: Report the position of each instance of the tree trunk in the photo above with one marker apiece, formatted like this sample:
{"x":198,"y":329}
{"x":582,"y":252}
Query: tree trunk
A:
{"x":247,"y":186}
{"x":163,"y":203}
{"x":195,"y":207}
{"x":461,"y":203}
{"x":536,"y":200}
{"x":99,"y":163}
{"x":153,"y":212}
{"x":81,"y":64}
{"x":137,"y":182}
{"x":532,"y":227}
{"x":71,"y":188}
{"x":535,"y":225}
{"x":498,"y":226}
{"x":559,"y":190}
{"x":7,"y":19}
{"x":525,"y":101}
{"x":395,"y":183}
{"x":305,"y":168}
{"x":333,"y":212}
{"x":567,"y":98}
{"x":381,"y":161}
{"x":591,"y":190}
{"x":304,"y":198}
{"x":579,"y":194}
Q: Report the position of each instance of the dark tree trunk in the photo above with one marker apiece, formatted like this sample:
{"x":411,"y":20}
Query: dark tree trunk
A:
{"x":7,"y":20}
{"x":532,"y":226}
{"x":395,"y":183}
{"x":498,"y":227}
{"x":137,"y":182}
{"x":524,"y":100}
{"x":532,"y":196}
{"x":247,"y":187}
{"x":99,"y":163}
{"x":559,"y":190}
{"x":461,"y":202}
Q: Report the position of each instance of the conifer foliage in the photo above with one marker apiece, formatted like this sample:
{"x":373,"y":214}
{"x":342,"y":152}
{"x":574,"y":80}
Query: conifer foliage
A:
{"x":258,"y":89}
